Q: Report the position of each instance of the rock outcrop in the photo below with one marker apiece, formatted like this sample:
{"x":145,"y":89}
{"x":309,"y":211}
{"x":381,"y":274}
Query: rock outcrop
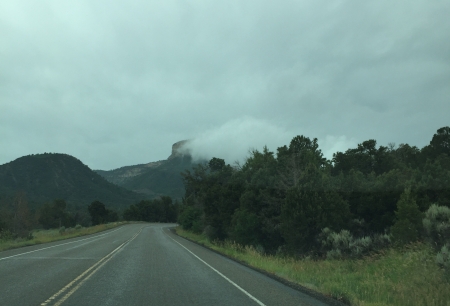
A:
{"x":154,"y":178}
{"x":178,"y":149}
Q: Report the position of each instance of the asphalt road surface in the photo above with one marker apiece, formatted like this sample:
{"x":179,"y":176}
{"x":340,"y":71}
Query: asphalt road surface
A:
{"x":139,"y":264}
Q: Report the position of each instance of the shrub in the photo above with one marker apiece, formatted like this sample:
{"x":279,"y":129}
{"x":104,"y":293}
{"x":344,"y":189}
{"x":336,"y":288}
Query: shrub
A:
{"x":6,"y":235}
{"x":380,"y":241}
{"x":198,"y":226}
{"x":437,"y":225}
{"x":443,"y":259}
{"x":343,"y":244}
{"x":190,"y":217}
{"x":360,"y":246}
{"x":210,"y":232}
{"x":62,"y":230}
{"x":245,"y":228}
{"x":78,"y":227}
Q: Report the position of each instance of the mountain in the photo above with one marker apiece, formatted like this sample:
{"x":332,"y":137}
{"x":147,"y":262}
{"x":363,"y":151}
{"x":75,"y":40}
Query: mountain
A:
{"x":49,"y":176}
{"x":155,"y":178}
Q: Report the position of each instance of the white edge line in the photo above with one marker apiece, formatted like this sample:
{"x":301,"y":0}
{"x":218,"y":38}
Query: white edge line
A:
{"x":54,"y":246}
{"x":226,"y":278}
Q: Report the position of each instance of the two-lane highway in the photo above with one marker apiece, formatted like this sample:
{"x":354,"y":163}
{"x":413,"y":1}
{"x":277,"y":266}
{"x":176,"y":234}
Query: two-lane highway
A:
{"x":140,"y":264}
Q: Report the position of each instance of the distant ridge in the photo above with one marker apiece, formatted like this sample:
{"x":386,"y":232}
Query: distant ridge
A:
{"x":49,"y":176}
{"x":155,"y":178}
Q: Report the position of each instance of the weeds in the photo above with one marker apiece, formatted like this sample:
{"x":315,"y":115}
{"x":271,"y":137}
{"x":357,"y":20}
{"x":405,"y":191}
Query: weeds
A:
{"x":406,"y":276}
{"x":44,"y":236}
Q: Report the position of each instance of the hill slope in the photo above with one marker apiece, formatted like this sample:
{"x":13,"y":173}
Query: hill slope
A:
{"x":155,"y":178}
{"x":45,"y":177}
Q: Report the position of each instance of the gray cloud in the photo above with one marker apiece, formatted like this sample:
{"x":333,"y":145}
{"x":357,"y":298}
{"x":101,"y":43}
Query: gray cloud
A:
{"x":117,"y":83}
{"x":234,"y":140}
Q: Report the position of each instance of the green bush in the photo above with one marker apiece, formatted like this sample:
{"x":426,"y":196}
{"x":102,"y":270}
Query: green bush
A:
{"x":443,"y":259}
{"x":245,"y":228}
{"x":190,"y":217}
{"x":78,"y":227}
{"x":380,"y":241}
{"x":359,"y":247}
{"x":62,"y":230}
{"x":437,"y":225}
{"x":343,"y":244}
{"x":198,"y":226}
{"x":6,"y":235}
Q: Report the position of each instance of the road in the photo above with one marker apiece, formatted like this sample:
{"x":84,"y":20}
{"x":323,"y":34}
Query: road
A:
{"x":137,"y":264}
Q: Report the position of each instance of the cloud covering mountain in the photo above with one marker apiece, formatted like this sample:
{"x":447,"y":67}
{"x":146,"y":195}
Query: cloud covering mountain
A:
{"x":116,"y":83}
{"x":233,"y":140}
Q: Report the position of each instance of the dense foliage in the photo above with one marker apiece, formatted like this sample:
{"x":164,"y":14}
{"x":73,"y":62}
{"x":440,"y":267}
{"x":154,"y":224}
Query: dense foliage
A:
{"x":284,"y":201}
{"x":17,"y":220}
{"x":54,"y":215}
{"x":157,"y":210}
{"x":100,"y":214}
{"x":49,"y":176}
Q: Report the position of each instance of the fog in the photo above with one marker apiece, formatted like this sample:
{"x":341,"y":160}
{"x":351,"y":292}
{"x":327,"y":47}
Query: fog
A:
{"x":234,"y":140}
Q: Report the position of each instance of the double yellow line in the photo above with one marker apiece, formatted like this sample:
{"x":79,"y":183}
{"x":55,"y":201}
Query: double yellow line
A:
{"x":74,"y":285}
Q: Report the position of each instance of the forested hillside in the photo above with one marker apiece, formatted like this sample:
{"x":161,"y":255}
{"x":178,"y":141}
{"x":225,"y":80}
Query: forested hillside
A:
{"x":296,"y":200}
{"x":45,"y":177}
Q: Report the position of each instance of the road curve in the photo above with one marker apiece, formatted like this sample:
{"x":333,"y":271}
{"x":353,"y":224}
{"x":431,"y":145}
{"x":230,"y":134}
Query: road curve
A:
{"x":138,"y":264}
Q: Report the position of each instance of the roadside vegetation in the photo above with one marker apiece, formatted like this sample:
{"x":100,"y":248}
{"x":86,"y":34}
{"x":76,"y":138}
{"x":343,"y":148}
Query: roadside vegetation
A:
{"x":20,"y":226}
{"x":371,"y":225}
{"x":43,"y":236}
{"x":395,"y":276}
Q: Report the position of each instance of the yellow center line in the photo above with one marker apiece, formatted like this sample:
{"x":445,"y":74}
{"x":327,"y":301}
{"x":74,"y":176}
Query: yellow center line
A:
{"x":95,"y":267}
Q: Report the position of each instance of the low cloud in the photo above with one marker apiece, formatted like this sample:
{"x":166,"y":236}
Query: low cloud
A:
{"x":233,"y":140}
{"x":332,"y":144}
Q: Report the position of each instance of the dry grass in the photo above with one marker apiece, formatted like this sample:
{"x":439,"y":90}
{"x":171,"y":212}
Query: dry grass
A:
{"x":396,"y":277}
{"x":44,"y":236}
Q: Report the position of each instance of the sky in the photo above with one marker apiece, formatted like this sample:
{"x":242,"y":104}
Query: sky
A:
{"x":116,"y":83}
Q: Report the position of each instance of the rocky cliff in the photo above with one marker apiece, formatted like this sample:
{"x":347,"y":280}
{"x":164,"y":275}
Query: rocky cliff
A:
{"x":155,"y":178}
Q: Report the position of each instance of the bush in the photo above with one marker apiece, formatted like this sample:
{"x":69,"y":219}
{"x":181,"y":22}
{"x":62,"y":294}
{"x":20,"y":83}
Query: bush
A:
{"x":380,"y":241}
{"x":343,"y":244}
{"x":78,"y":227}
{"x":443,"y":259}
{"x":359,"y":247}
{"x":198,"y":226}
{"x":245,"y":228}
{"x":62,"y":230}
{"x":437,"y":225}
{"x":6,"y":235}
{"x":191,"y":217}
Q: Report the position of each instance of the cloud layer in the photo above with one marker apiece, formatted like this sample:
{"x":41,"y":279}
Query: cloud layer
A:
{"x":117,"y":83}
{"x":234,"y":140}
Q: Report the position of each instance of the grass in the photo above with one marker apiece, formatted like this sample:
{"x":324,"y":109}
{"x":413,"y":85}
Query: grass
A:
{"x":44,"y":236}
{"x":407,"y":276}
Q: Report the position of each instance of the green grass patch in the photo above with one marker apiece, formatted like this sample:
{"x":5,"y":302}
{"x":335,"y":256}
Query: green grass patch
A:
{"x":407,"y":276}
{"x":44,"y":236}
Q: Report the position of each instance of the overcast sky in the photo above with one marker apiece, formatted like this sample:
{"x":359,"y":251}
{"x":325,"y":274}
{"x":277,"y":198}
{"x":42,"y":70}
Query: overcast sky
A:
{"x":116,"y":83}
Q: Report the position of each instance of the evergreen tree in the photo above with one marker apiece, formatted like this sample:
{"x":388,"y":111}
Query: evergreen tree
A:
{"x":98,"y":212}
{"x":54,"y":215}
{"x":408,"y":219}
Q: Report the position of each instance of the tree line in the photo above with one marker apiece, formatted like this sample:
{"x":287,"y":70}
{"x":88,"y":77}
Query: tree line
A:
{"x":296,"y":200}
{"x":17,"y":220}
